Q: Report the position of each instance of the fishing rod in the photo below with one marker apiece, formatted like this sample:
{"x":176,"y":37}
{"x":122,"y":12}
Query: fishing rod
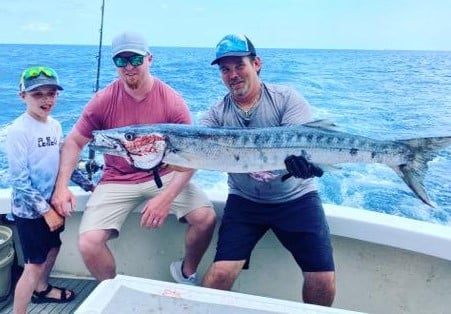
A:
{"x":91,"y":165}
{"x":99,"y":53}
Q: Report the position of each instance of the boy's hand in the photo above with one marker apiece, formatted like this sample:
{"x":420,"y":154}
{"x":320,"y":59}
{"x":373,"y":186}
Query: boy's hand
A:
{"x":53,"y":219}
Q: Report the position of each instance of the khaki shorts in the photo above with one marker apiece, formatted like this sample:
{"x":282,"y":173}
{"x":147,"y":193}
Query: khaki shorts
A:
{"x":110,"y":203}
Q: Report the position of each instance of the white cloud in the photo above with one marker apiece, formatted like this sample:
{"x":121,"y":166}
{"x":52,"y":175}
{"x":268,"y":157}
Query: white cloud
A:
{"x":37,"y":27}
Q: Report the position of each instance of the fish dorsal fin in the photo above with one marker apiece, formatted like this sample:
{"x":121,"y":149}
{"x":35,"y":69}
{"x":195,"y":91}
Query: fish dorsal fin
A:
{"x":322,"y":124}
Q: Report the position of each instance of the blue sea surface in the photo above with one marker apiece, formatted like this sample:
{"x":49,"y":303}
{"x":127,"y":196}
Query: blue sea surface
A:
{"x":380,"y":94}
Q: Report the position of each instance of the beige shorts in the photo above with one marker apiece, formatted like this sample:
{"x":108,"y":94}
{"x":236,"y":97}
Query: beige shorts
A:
{"x":111,"y":203}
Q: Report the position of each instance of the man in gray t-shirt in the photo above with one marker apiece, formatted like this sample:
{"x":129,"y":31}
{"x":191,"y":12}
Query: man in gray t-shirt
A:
{"x":261,"y":201}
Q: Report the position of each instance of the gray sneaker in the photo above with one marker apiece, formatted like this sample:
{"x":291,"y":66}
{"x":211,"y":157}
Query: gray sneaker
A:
{"x":177,"y":275}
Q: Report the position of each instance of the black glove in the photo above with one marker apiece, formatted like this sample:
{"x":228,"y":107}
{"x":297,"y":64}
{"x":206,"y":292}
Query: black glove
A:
{"x":299,"y":167}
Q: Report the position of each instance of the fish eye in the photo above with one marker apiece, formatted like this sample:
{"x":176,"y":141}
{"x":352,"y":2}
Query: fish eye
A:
{"x":129,"y":136}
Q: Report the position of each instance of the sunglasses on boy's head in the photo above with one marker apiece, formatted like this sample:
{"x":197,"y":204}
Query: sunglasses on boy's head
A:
{"x":135,"y":60}
{"x":34,"y":72}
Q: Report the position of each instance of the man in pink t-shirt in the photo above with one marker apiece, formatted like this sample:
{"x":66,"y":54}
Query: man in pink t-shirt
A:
{"x":136,"y":97}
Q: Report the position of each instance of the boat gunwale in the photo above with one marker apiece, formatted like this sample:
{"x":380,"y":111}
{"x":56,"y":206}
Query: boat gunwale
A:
{"x":360,"y":224}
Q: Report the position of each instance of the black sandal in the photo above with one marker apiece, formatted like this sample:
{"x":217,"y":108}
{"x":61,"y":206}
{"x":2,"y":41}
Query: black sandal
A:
{"x":41,"y":296}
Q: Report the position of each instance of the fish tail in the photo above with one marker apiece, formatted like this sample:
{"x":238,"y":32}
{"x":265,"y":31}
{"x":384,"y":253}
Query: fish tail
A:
{"x":414,"y":171}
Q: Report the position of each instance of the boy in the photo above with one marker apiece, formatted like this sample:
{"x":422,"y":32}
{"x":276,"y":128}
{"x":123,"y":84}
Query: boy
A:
{"x":32,"y":145}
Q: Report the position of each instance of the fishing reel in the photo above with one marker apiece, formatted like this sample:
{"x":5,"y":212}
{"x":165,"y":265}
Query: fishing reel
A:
{"x":89,"y":166}
{"x":85,"y":168}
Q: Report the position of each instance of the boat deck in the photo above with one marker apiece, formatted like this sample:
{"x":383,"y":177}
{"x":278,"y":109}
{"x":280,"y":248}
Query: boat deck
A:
{"x":81,"y":287}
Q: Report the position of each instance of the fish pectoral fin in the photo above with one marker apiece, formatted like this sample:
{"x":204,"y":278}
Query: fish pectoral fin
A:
{"x":330,"y":168}
{"x":177,"y":159}
{"x":322,"y":124}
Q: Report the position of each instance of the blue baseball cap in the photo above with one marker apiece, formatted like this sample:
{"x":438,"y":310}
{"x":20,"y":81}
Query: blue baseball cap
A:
{"x":234,"y":45}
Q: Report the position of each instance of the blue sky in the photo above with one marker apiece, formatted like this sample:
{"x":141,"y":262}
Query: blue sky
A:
{"x":328,"y":24}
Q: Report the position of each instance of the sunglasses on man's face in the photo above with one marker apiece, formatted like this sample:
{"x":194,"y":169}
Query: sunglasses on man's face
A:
{"x":135,"y":60}
{"x":34,"y":72}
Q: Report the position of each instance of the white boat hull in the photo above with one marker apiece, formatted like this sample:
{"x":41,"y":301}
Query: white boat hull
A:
{"x":384,"y":264}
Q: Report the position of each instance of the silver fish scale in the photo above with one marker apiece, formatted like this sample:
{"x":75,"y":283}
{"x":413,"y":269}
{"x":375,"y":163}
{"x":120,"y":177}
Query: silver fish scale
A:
{"x":233,"y":150}
{"x":261,"y":149}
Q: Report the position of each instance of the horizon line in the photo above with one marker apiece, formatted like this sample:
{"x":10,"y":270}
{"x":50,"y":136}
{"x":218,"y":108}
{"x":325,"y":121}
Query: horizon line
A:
{"x":203,"y":47}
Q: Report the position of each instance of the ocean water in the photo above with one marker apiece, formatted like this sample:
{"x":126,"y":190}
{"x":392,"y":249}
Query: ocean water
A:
{"x":380,"y":94}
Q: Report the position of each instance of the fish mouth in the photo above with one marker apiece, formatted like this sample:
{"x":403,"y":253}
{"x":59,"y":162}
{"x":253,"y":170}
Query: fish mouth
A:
{"x":105,"y":144}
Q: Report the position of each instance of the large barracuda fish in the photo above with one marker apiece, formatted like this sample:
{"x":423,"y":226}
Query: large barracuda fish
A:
{"x":238,"y":150}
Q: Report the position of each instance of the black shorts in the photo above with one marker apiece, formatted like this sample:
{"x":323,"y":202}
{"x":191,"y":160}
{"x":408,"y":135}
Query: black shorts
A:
{"x":36,"y":239}
{"x":300,"y":225}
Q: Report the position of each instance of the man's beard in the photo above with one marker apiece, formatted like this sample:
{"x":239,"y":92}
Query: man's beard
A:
{"x":132,"y":83}
{"x":238,"y":92}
